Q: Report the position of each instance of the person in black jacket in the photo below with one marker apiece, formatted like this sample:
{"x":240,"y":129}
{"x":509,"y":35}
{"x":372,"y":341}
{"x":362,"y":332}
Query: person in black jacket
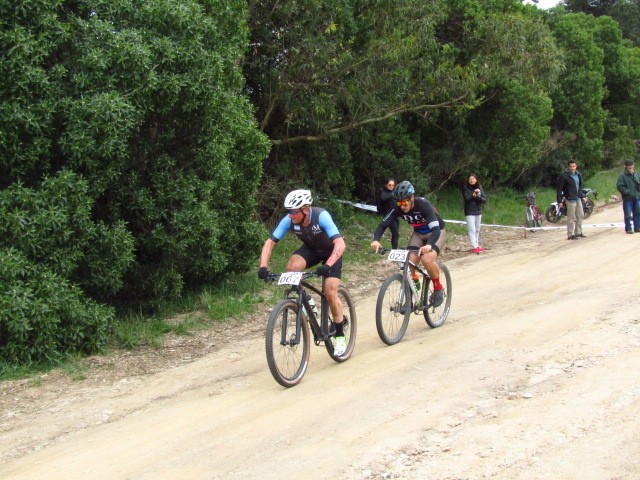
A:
{"x":628,"y":185}
{"x":569,"y":193}
{"x":474,"y":198}
{"x":385,"y":204}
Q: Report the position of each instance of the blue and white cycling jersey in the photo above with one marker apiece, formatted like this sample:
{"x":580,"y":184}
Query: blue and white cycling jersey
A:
{"x":318,"y":235}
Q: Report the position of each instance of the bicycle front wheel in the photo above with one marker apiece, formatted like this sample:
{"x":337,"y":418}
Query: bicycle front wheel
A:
{"x":287,"y":356}
{"x":350,"y":327}
{"x":588,"y":208}
{"x":436,"y":316}
{"x":393,"y":309}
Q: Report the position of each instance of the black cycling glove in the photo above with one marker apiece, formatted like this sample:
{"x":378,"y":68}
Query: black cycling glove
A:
{"x":263,"y":273}
{"x":323,"y":270}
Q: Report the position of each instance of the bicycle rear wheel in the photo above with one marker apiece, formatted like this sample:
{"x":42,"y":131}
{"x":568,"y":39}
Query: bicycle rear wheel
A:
{"x":287,"y":359}
{"x":350,"y":329}
{"x":551,"y":216}
{"x":393,"y":309}
{"x":436,"y":316}
{"x":529,"y":216}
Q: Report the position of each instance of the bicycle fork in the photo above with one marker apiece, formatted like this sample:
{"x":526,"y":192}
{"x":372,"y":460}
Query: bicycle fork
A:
{"x":294,"y":339}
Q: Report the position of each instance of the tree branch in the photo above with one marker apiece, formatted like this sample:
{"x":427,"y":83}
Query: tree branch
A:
{"x":352,"y":126}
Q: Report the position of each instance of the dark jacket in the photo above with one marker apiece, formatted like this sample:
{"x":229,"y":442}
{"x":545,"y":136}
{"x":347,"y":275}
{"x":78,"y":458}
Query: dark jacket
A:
{"x":567,"y":187}
{"x":385,"y":202}
{"x":473,"y":205}
{"x":628,"y":184}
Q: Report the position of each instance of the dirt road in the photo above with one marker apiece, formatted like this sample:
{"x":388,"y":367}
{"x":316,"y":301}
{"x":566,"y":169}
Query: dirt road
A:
{"x":536,"y":374}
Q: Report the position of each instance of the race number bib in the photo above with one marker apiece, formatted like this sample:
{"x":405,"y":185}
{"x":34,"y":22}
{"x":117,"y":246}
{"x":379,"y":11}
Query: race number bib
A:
{"x":290,"y":278}
{"x":398,"y":255}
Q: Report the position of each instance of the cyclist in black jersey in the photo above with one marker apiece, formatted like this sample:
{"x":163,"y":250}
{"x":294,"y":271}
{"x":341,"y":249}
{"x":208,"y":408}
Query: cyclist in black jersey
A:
{"x":321,"y":242}
{"x":428,"y":235}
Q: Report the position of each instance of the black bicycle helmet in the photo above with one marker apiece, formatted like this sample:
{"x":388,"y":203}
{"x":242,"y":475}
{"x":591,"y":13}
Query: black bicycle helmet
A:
{"x":403,"y":191}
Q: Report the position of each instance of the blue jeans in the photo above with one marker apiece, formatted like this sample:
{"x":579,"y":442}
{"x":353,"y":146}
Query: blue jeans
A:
{"x":631,"y":211}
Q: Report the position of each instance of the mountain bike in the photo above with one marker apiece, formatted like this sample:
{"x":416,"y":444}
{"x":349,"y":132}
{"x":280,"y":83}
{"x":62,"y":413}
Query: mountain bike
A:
{"x":291,"y":321}
{"x":533,"y":213}
{"x":554,"y":213}
{"x":400,"y":296}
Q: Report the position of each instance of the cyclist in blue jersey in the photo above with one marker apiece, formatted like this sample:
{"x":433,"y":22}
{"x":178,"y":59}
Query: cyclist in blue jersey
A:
{"x":428,"y":235}
{"x":321,"y":242}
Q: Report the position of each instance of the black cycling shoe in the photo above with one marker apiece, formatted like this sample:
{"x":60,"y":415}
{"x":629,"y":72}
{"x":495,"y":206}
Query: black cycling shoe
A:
{"x":437,"y":297}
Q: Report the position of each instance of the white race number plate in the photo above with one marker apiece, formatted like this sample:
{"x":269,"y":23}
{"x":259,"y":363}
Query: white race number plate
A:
{"x":398,"y":255}
{"x":290,"y":278}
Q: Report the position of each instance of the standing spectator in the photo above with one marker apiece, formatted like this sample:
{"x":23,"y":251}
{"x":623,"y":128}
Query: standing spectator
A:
{"x":385,"y":204}
{"x":629,"y":186}
{"x":474,"y":197}
{"x":569,"y":193}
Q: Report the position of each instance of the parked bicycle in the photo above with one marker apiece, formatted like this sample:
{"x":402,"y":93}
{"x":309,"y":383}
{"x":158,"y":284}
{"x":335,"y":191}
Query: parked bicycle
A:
{"x":287,"y":340}
{"x":554,"y":213}
{"x":532,"y":212}
{"x":400,"y":296}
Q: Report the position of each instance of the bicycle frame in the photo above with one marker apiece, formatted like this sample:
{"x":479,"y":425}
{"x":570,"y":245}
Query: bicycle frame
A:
{"x":421,"y":305}
{"x":533,"y":213}
{"x":321,"y":332}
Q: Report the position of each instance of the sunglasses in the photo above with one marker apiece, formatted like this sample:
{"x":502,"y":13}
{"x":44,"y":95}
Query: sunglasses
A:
{"x":293,"y":212}
{"x":403,"y":203}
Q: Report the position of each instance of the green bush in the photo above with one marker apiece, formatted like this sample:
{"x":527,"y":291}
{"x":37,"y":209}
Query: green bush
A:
{"x":145,"y":103}
{"x":43,"y":316}
{"x":52,"y":226}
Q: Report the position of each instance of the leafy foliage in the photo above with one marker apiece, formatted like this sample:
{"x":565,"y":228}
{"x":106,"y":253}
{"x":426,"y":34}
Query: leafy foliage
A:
{"x":129,"y":155}
{"x":144,"y":101}
{"x":52,"y":227}
{"x":580,"y":91}
{"x":43,"y":315}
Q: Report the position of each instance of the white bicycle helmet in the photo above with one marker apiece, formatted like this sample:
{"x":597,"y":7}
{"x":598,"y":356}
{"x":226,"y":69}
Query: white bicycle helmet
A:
{"x":297,"y":199}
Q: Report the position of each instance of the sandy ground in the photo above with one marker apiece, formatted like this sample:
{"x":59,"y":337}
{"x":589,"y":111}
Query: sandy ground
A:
{"x":535,"y":375}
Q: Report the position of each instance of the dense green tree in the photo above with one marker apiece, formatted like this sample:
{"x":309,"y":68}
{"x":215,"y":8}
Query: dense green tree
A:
{"x":331,"y":69}
{"x":625,"y":12}
{"x":580,"y":91}
{"x":622,"y":81}
{"x":144,"y":100}
{"x":501,"y":138}
{"x":143,"y":105}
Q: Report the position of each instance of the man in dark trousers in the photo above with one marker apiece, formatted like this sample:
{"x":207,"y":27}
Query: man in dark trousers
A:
{"x":628,"y":185}
{"x":385,"y":204}
{"x":569,"y":193}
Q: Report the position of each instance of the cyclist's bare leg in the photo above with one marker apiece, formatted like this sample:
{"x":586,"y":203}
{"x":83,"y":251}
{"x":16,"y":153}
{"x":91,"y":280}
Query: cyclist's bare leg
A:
{"x":430,"y":264}
{"x":331,"y":285}
{"x":296,"y":263}
{"x":413,"y":257}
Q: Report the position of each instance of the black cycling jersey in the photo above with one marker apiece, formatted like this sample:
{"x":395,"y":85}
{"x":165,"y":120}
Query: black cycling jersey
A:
{"x":422,"y":217}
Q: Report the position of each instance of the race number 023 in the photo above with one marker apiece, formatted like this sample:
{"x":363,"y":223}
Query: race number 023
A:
{"x":397,"y":255}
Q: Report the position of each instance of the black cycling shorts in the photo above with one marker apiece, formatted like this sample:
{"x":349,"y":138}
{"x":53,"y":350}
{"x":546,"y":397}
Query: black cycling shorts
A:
{"x":314,"y":257}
